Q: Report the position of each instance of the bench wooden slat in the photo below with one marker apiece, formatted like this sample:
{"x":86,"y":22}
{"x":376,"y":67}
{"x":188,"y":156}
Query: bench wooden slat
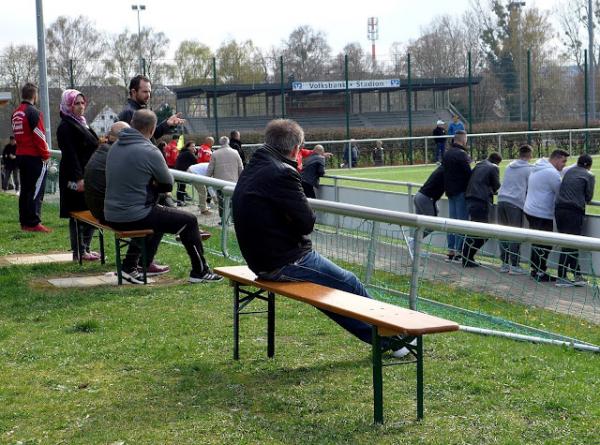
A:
{"x":388,"y":317}
{"x":87,"y":217}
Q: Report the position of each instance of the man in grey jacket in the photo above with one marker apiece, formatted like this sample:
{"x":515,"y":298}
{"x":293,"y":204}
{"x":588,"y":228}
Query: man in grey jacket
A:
{"x":136,"y":172}
{"x":482,"y":186}
{"x":511,"y":199}
{"x":576,"y":190}
{"x":226,"y":164}
{"x":542,"y":188}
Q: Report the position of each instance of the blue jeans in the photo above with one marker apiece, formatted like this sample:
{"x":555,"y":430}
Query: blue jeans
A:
{"x":457,"y":209}
{"x":317,"y":269}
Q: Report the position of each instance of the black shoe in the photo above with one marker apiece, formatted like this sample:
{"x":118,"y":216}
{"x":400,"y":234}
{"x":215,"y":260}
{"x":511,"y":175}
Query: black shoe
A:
{"x":469,"y":263}
{"x":207,"y":276}
{"x":543,"y":278}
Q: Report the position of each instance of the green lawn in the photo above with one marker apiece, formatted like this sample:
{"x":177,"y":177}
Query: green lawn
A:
{"x":152,"y":365}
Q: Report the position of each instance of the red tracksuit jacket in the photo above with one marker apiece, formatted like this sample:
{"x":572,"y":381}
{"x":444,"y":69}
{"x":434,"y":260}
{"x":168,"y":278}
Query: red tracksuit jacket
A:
{"x":28,"y":128}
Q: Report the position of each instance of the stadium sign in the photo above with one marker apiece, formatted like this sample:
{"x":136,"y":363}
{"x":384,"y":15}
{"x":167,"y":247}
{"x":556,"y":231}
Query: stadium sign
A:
{"x":319,"y":85}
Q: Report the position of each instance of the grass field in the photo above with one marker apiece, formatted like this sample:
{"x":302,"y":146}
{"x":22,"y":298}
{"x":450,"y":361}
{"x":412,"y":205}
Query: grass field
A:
{"x":152,"y":365}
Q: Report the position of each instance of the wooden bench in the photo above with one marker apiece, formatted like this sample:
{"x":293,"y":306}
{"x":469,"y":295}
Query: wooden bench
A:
{"x":387,"y":321}
{"x":122,"y":238}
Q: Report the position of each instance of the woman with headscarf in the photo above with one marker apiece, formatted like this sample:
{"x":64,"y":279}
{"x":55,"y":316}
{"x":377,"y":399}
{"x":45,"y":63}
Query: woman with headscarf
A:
{"x":77,"y":141}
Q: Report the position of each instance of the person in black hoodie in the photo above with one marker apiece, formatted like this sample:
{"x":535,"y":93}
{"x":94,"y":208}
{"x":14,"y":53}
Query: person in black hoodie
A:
{"x":185,"y":159}
{"x":483,"y":185}
{"x":576,"y":190}
{"x":77,"y":142}
{"x":457,"y":172}
{"x":236,"y":144}
{"x":273,"y":221}
{"x":9,"y":160}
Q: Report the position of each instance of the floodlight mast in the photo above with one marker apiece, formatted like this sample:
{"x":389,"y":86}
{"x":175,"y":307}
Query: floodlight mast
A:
{"x":373,"y":35}
{"x":139,"y":8}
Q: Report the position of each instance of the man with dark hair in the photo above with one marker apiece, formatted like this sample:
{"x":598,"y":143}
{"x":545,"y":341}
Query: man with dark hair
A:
{"x":136,"y":172}
{"x":457,"y":172}
{"x":94,"y":177}
{"x":483,"y":185}
{"x":277,"y":246}
{"x":511,"y":199}
{"x":140,"y":90}
{"x":576,"y":190}
{"x":9,"y":161}
{"x":542,"y":187}
{"x":32,"y":159}
{"x":236,"y":143}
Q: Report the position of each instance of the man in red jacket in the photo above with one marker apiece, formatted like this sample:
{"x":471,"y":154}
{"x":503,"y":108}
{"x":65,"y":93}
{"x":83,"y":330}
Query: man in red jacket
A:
{"x":32,"y":158}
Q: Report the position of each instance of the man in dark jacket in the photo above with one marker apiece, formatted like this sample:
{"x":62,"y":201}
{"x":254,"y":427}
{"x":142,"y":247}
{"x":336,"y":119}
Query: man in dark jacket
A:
{"x":276,"y":245}
{"x":95,"y":173}
{"x":576,"y":190}
{"x":313,"y":170}
{"x":457,"y":172}
{"x":185,"y":159}
{"x":483,"y":185}
{"x":140,"y":89}
{"x":9,"y":160}
{"x":236,"y":144}
{"x":440,"y":143}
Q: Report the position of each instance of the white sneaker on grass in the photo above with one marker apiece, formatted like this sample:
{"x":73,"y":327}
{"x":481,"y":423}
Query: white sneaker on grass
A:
{"x":133,"y":276}
{"x":505,"y":268}
{"x":517,"y":270}
{"x":403,"y":352}
{"x":206,"y":277}
{"x":579,"y":281}
{"x":563,"y":282}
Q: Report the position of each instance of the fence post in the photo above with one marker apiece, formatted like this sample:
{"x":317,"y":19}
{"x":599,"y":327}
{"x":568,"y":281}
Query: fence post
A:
{"x":499,"y":143}
{"x":71,"y":76}
{"x":470,"y":104}
{"x":414,"y":276}
{"x":225,"y":224}
{"x":282,"y":88}
{"x":409,"y":106}
{"x":370,"y":267}
{"x":426,"y":157}
{"x":570,"y":142}
{"x":347,"y":103}
{"x":529,"y":96}
{"x":215,"y":111}
{"x":411,"y":208}
{"x":587,"y":105}
{"x":144,"y":66}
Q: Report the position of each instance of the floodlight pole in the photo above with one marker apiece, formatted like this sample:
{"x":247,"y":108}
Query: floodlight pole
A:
{"x":592,"y":75}
{"x":139,"y":8}
{"x":43,"y":87}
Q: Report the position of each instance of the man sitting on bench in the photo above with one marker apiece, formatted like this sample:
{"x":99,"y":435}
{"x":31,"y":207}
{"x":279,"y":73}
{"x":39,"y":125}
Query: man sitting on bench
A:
{"x":273,"y":219}
{"x":136,"y":172}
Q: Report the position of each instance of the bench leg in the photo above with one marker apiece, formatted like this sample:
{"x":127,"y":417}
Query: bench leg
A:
{"x":118,"y":260}
{"x":79,"y":236}
{"x":271,"y":325}
{"x":144,"y":258}
{"x":419,"y":354}
{"x":377,"y":378}
{"x":236,"y":321}
{"x":101,"y":241}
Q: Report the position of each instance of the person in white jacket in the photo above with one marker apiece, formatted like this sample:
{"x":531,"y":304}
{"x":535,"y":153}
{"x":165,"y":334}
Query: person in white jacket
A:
{"x":542,"y":188}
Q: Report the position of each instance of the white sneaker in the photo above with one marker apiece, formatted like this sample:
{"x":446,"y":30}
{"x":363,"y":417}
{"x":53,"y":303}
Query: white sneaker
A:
{"x":402,"y":352}
{"x":563,"y":282}
{"x":516,"y":270}
{"x":133,"y":277}
{"x":579,"y":281}
{"x":505,"y":268}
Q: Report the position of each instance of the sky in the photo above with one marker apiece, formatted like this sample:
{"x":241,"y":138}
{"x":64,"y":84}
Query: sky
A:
{"x":266,"y":22}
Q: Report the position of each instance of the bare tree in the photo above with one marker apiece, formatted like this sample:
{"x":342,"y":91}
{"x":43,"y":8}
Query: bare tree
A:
{"x":306,"y":53}
{"x":18,"y":65}
{"x":241,"y":62}
{"x":123,"y":55}
{"x":75,"y":48}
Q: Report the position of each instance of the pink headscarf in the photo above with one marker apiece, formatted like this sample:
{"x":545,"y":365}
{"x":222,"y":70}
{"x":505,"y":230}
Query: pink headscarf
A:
{"x":66,"y":105}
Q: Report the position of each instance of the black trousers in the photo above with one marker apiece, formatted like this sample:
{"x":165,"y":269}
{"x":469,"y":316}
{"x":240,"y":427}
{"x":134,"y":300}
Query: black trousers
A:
{"x":569,"y":220}
{"x":479,"y":212}
{"x":309,"y":190}
{"x":539,"y":252}
{"x":33,"y":172}
{"x":9,"y":171}
{"x":166,"y":220}
{"x":510,"y":215}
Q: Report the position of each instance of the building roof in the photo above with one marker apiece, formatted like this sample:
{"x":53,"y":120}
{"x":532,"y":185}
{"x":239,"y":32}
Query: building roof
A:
{"x":273,"y":89}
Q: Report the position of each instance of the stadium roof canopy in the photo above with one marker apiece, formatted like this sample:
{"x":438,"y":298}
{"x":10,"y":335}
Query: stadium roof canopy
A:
{"x":273,"y":89}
